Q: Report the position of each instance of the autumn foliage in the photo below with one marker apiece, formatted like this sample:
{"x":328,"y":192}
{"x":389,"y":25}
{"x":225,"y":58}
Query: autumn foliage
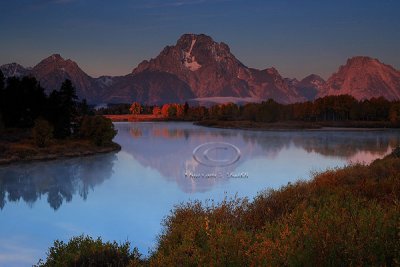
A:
{"x":341,"y":217}
{"x":172,"y":110}
{"x":135,"y":108}
{"x":341,"y":108}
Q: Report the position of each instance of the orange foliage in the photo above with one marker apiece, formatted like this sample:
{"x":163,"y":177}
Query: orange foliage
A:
{"x":342,"y":217}
{"x":156,"y":111}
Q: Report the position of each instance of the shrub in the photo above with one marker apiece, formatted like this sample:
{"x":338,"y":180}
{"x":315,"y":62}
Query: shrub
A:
{"x":85,"y":251}
{"x":98,"y":129}
{"x":42,"y":132}
{"x":340,"y":218}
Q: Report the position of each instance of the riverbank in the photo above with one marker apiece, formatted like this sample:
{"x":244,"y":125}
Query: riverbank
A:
{"x":341,"y":217}
{"x":293,"y":125}
{"x":135,"y":118}
{"x":262,"y":126}
{"x":26,"y":151}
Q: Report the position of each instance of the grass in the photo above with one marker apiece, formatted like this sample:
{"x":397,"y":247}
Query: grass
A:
{"x":343,"y":217}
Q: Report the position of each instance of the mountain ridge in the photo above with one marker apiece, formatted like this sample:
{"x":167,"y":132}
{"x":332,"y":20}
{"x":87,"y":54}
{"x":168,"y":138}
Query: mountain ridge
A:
{"x":199,"y":67}
{"x":363,"y":77}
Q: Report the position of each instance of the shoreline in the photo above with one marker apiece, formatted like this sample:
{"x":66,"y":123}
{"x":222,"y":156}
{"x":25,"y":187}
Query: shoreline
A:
{"x":265,"y":126}
{"x":295,"y":126}
{"x":135,"y":118}
{"x":62,"y":152}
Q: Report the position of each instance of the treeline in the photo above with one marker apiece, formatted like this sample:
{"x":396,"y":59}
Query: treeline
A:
{"x":113,"y":109}
{"x":330,"y":108}
{"x":25,"y":105}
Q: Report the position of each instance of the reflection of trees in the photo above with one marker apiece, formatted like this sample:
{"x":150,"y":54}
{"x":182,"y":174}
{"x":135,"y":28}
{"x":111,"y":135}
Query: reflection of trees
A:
{"x":168,"y":147}
{"x":136,"y":132}
{"x":343,"y":144}
{"x":347,"y":144}
{"x":2,"y":196}
{"x":59,"y":180}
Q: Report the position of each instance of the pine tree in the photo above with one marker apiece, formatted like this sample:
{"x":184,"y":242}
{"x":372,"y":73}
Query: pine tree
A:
{"x":63,"y":109}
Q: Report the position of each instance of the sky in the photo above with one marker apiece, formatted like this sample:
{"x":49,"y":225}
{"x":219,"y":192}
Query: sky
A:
{"x":112,"y":37}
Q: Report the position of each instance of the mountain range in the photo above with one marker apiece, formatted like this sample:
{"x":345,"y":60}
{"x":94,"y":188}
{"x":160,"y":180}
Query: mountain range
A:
{"x":197,"y":67}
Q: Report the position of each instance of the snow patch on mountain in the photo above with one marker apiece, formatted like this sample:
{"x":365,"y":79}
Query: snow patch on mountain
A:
{"x":189,"y":60}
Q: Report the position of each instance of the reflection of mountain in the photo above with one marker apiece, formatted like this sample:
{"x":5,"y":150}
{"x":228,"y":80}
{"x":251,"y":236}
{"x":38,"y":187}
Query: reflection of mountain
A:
{"x":168,"y":147}
{"x":59,"y":180}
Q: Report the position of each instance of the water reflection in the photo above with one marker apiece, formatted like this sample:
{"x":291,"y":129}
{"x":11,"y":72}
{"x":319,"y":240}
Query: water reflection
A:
{"x":168,"y":147}
{"x":58,"y":180}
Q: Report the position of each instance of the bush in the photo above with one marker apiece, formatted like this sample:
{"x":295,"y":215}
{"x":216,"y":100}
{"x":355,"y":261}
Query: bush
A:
{"x":340,"y":218}
{"x":42,"y":132}
{"x":98,"y":129}
{"x":85,"y":251}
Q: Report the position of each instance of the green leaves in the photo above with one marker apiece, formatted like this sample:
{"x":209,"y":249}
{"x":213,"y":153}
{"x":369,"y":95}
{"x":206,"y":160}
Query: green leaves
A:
{"x":86,"y":251}
{"x":98,"y":129}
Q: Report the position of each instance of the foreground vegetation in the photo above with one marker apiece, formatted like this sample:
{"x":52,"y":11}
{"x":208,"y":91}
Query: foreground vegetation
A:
{"x":343,"y":217}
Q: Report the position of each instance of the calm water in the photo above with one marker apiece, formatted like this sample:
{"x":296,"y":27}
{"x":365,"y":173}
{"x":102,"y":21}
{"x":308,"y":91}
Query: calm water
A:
{"x":125,"y":195}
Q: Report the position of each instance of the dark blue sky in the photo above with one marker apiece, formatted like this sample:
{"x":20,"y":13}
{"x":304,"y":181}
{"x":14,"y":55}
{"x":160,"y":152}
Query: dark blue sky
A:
{"x":112,"y":37}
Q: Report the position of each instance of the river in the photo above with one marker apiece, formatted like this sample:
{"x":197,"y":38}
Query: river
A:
{"x":124,"y":196}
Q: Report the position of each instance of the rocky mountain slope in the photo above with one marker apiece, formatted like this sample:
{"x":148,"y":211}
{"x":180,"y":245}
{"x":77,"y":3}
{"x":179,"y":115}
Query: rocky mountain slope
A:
{"x":364,"y":78}
{"x":52,"y":71}
{"x":197,"y":67}
{"x":14,"y":69}
{"x":151,"y":87}
{"x":210,"y":69}
{"x":309,"y":87}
